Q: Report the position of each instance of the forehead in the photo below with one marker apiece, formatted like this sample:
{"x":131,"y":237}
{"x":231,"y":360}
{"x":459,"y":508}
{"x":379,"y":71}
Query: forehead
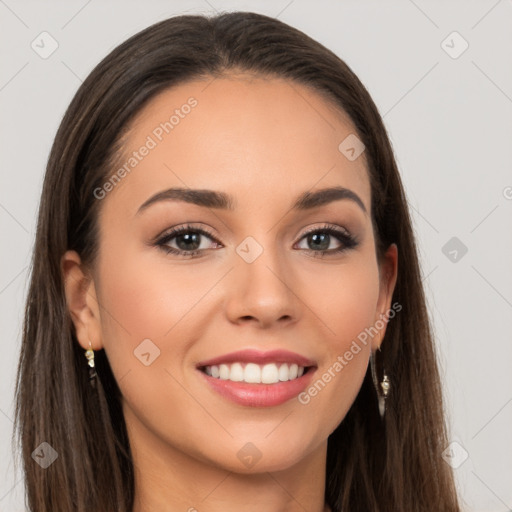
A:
{"x":252,"y":137}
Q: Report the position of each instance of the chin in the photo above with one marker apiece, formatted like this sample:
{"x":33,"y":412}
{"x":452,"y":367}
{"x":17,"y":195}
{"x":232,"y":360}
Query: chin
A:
{"x":262,"y":455}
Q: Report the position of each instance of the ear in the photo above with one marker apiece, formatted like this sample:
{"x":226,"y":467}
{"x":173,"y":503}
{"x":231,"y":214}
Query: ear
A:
{"x":81,"y":301}
{"x":388,"y":272}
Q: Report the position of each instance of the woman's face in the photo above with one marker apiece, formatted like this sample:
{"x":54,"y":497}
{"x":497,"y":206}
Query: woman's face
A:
{"x":255,"y":282}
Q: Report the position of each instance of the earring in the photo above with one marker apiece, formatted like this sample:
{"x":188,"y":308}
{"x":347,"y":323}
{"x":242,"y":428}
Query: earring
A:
{"x":89,"y":354}
{"x":385,"y":385}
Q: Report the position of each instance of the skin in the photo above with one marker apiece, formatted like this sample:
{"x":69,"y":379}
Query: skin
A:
{"x":264,"y":141}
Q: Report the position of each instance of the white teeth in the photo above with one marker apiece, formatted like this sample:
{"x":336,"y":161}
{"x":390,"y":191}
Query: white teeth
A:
{"x":224,"y":371}
{"x":284,"y":372}
{"x":269,"y":374}
{"x":237,"y":372}
{"x":253,"y":373}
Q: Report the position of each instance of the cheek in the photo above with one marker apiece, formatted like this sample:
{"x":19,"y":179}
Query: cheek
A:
{"x":345,"y":300}
{"x":151,"y":313}
{"x":147,"y":329}
{"x":347,"y":308}
{"x":145,"y":298}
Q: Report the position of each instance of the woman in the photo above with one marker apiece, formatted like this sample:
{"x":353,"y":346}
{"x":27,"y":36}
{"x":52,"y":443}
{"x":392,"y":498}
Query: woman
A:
{"x":219,"y":234}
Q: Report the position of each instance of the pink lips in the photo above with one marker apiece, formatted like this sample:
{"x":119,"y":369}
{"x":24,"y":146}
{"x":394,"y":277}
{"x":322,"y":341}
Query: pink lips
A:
{"x":255,"y":356}
{"x":259,"y":395}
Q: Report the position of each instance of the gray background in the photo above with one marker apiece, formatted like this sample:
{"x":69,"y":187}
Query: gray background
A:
{"x":451,"y":127}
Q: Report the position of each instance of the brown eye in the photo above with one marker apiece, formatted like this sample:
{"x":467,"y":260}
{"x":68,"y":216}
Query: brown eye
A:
{"x":318,"y":240}
{"x":187,"y":239}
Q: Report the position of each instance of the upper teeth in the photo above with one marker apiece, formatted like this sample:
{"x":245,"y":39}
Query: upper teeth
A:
{"x":254,"y":373}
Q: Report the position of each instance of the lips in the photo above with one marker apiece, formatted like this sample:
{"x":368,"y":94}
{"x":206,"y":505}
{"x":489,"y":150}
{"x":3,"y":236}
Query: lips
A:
{"x":258,"y":357}
{"x":294,"y":372}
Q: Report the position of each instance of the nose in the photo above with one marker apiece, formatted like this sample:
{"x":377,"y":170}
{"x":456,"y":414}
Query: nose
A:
{"x":263,"y":292}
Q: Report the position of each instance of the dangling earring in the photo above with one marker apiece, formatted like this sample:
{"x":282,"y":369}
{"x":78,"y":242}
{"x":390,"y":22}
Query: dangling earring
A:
{"x":89,"y":354}
{"x":385,"y":385}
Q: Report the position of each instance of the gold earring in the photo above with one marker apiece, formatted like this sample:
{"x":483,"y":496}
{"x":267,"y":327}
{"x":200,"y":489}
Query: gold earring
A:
{"x":89,"y":354}
{"x":385,"y":385}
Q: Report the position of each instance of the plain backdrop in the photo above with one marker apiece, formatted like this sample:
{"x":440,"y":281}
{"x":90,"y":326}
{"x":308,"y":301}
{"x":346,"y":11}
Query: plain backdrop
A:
{"x":441,"y":76}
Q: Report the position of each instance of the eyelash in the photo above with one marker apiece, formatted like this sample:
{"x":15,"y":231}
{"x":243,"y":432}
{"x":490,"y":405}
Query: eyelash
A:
{"x":347,"y":240}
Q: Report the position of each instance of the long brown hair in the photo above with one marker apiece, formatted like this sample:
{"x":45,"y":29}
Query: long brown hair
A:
{"x":372,"y":465}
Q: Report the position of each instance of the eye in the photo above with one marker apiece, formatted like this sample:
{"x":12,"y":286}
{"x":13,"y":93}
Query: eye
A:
{"x":320,"y":239}
{"x":187,"y":239}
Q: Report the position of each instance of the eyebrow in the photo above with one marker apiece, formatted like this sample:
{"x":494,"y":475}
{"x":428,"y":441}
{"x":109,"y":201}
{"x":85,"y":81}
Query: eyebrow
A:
{"x":220,"y":200}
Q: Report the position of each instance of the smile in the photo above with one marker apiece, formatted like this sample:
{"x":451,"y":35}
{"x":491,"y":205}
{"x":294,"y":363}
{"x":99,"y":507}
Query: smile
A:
{"x":252,"y":373}
{"x":257,"y":378}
